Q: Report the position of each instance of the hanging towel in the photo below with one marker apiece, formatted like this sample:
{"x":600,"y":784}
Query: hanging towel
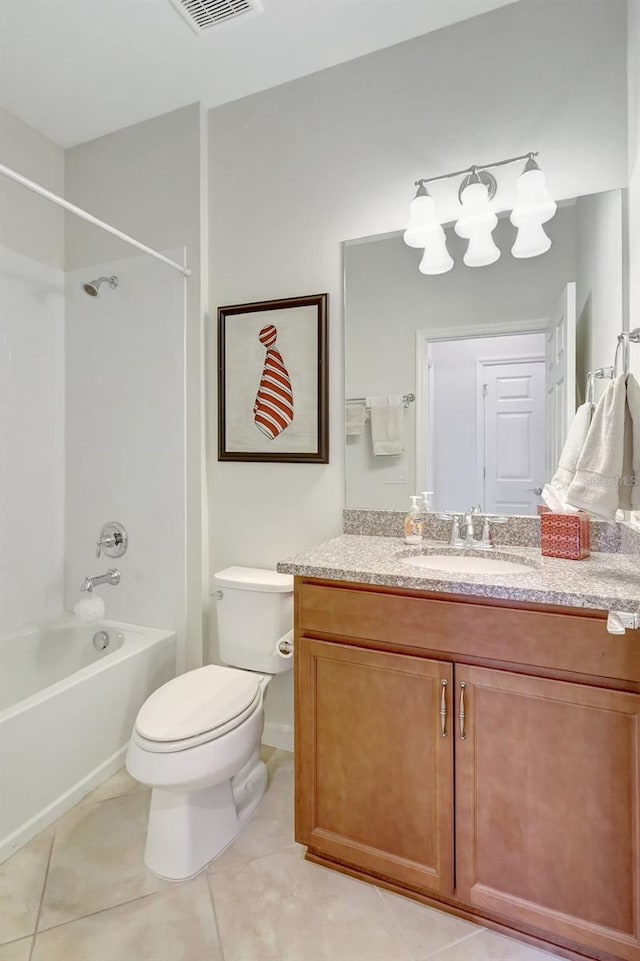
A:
{"x":386,"y":424}
{"x":633,"y":401}
{"x":602,"y":483}
{"x":554,"y":494}
{"x":354,"y":419}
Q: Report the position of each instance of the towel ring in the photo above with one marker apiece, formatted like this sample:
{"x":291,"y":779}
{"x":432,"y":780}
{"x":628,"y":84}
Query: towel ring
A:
{"x":589,"y":399}
{"x":622,"y":348}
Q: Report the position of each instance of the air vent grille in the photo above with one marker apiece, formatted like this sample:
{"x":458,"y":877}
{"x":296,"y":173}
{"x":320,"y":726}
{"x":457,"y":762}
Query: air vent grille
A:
{"x":205,"y":14}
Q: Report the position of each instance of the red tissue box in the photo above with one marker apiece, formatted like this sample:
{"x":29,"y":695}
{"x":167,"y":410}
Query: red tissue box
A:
{"x":565,"y":535}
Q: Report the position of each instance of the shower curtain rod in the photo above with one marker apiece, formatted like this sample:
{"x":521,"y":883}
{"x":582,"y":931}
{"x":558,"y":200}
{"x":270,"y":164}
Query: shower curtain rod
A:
{"x":79,"y":212}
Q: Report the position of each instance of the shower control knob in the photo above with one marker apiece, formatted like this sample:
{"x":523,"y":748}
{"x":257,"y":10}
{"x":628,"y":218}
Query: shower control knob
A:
{"x":113,"y":540}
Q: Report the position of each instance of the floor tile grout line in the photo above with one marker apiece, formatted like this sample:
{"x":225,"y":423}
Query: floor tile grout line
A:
{"x":243,"y":863}
{"x":92,"y":914}
{"x":453,"y":944}
{"x":395,"y":922}
{"x":215,"y":916}
{"x":42,"y":893}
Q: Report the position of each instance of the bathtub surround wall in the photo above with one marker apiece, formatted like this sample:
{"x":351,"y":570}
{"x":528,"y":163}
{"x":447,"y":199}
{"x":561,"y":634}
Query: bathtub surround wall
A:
{"x":148,"y":181}
{"x":125,"y":406}
{"x":296,"y":170}
{"x":32,"y":381}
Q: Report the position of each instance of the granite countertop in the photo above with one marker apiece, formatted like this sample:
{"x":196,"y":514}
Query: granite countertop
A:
{"x":603,"y":582}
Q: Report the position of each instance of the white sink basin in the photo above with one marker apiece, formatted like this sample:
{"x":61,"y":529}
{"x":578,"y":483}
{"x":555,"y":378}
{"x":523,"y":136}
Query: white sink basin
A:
{"x":465,"y":564}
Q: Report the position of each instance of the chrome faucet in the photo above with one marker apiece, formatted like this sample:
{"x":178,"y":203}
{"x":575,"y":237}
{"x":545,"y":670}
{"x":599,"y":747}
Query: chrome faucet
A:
{"x":469,"y":539}
{"x":111,"y":577}
{"x":454,"y":540}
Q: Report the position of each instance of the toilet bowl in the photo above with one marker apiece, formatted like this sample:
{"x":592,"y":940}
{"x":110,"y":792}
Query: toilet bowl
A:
{"x":196,"y":740}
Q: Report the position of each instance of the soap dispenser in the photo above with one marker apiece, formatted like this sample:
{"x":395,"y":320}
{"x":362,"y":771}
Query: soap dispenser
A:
{"x":426,"y":500}
{"x":413,"y":524}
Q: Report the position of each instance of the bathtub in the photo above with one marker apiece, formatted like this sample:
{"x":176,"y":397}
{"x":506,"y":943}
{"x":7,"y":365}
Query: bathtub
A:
{"x":67,"y":709}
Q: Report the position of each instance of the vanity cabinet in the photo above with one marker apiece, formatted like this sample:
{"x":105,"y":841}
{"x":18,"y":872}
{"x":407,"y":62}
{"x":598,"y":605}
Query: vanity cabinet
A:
{"x":478,"y":756}
{"x":380,"y":771}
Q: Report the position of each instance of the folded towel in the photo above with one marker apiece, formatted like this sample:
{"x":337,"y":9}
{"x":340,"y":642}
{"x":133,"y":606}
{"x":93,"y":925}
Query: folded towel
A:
{"x":633,"y":401}
{"x":386,"y":424}
{"x":354,"y":419}
{"x":600,"y":485}
{"x":554,"y":494}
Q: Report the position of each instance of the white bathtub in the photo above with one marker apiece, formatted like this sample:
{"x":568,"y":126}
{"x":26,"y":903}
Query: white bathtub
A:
{"x":66,"y":714}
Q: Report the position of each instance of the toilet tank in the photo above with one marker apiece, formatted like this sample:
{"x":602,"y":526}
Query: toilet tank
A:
{"x":254,"y":610}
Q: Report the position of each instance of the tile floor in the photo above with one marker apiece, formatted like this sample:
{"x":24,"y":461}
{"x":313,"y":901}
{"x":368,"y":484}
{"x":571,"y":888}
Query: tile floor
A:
{"x":80,"y":892}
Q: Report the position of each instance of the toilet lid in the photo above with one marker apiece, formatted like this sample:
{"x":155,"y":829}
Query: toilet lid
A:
{"x":195,"y":702}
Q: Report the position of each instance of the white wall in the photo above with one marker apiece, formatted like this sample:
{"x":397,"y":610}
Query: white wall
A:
{"x":147,"y":181}
{"x":125,"y":437}
{"x":296,"y":170}
{"x":599,"y":281}
{"x":455,"y":402}
{"x":31,"y":381}
{"x":633,"y":192}
{"x":387,"y":300}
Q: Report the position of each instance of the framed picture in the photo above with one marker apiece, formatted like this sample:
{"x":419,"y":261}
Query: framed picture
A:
{"x":273,"y":381}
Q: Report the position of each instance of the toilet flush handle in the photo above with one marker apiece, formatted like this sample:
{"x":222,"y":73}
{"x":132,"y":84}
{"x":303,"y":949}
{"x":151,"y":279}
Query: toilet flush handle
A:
{"x":218,"y":595}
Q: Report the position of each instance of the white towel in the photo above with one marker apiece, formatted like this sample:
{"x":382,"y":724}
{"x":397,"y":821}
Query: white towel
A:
{"x":386,"y":424}
{"x":633,"y":401}
{"x":554,"y":494}
{"x":602,"y":483}
{"x":354,"y":419}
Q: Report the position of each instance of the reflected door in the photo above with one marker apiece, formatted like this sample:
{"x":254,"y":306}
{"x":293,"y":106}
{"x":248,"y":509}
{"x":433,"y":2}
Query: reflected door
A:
{"x":514,"y":436}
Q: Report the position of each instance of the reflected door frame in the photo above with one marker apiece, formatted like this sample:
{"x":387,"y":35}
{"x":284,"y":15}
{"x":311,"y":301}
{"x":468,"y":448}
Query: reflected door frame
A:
{"x":424,"y":377}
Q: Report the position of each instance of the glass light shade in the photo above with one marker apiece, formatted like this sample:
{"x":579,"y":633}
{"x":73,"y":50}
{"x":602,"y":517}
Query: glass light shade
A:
{"x":436,"y":258}
{"x":533,"y":202}
{"x":423,"y":221}
{"x":477,"y":215}
{"x":481,"y":250}
{"x":531,"y":240}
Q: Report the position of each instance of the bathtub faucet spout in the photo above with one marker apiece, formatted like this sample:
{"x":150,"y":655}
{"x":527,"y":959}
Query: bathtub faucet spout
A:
{"x":111,"y":577}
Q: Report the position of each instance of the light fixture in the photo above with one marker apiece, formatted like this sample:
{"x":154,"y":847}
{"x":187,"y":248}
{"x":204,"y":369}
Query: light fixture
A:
{"x":534,"y":207}
{"x":478,"y":219}
{"x":436,"y":258}
{"x":423,"y":220}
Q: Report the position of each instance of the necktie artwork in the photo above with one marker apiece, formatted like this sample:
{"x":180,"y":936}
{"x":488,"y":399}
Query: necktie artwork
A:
{"x":273,"y":407}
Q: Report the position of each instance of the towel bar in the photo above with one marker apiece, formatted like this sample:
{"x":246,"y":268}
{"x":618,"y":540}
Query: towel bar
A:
{"x":406,"y":400}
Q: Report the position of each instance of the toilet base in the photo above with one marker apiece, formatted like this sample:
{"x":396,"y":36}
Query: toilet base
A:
{"x":188,"y":829}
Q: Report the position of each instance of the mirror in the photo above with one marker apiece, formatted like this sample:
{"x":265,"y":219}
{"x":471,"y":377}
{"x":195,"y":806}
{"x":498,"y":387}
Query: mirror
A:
{"x":496,"y":359}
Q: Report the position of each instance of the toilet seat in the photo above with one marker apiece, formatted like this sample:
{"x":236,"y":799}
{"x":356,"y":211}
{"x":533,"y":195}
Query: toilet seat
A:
{"x":196,"y":707}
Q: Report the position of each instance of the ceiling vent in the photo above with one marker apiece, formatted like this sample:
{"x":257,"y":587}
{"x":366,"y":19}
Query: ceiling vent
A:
{"x":205,"y":14}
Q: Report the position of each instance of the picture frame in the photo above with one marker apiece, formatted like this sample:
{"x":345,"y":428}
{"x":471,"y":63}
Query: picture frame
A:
{"x":273,"y":397}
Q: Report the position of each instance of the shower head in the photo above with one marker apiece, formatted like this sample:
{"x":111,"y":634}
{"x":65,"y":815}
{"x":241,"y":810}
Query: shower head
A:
{"x":93,"y":287}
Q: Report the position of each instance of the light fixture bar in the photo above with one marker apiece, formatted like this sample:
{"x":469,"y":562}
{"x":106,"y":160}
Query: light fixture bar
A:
{"x":475,"y":167}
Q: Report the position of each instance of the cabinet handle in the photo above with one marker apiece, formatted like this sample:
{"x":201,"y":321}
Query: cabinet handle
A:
{"x":461,"y":714}
{"x":443,"y":708}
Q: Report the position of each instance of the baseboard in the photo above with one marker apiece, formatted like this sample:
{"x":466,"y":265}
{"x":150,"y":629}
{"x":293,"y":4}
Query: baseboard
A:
{"x":10,"y":844}
{"x":278,"y":735}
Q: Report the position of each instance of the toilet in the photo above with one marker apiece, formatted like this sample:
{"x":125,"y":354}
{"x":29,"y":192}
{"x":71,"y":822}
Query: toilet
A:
{"x":196,"y":739}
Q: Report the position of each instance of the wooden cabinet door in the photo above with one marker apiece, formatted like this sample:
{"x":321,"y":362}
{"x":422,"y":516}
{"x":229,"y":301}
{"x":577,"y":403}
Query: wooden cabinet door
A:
{"x":374,"y":773}
{"x":548,"y":806}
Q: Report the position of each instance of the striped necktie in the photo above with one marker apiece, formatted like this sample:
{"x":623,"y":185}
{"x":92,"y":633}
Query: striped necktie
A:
{"x":273,"y":407}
